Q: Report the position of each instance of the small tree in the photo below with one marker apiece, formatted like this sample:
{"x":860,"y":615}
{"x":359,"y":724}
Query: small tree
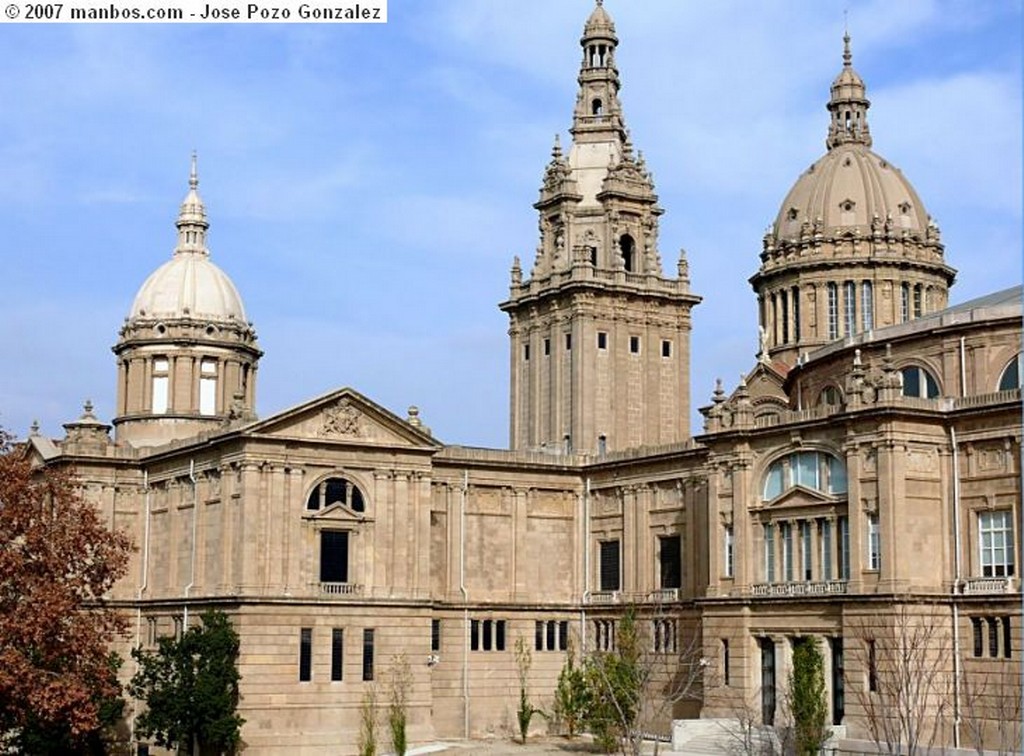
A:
{"x":572,"y":696}
{"x":58,"y":681}
{"x":525,"y":712}
{"x":807,"y":702}
{"x":368,"y":723}
{"x":399,"y":685}
{"x":190,"y":688}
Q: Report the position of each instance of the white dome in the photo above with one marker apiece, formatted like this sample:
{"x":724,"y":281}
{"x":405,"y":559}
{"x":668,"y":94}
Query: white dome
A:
{"x":189,"y":285}
{"x":850,"y":189}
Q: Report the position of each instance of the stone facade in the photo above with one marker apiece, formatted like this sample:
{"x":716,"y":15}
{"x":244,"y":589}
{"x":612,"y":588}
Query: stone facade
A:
{"x":857,"y":485}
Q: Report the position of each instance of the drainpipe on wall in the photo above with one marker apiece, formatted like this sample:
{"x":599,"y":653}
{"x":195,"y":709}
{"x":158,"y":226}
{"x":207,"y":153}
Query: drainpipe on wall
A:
{"x":192,"y":568}
{"x":957,"y":577}
{"x":143,"y":585}
{"x":465,"y":604}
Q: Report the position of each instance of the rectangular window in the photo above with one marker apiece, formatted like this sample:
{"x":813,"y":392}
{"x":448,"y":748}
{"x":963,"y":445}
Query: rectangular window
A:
{"x":1007,"y":638}
{"x":728,"y":547}
{"x":207,"y":387}
{"x":602,"y":340}
{"x":333,"y":556}
{"x":160,"y":386}
{"x":725,"y":661}
{"x":838,"y":682}
{"x":784,"y":306}
{"x":609,"y":565}
{"x":474,"y":635}
{"x":563,"y":635}
{"x":805,"y":549}
{"x":368,"y":655}
{"x":634,"y":345}
{"x":872,"y":667}
{"x":769,"y":552}
{"x":669,"y":552}
{"x":995,"y":532}
{"x":305,"y":654}
{"x":867,"y":306}
{"x":526,"y":352}
{"x":666,"y":348}
{"x":786,"y":534}
{"x":993,"y":637}
{"x":917,"y":300}
{"x":568,"y":341}
{"x":337,"y":653}
{"x":843,"y":524}
{"x":826,"y":549}
{"x":833,"y":311}
{"x":499,"y":635}
{"x":904,"y":303}
{"x":547,"y":346}
{"x":874,"y":547}
{"x":805,"y":467}
{"x":552,"y":635}
{"x":979,"y":649}
{"x":435,"y":635}
{"x":538,"y":636}
{"x":486,"y":641}
{"x":849,"y":308}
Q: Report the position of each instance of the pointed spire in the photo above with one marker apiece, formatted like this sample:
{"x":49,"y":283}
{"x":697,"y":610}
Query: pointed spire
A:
{"x":598,"y":115}
{"x":192,"y":223}
{"x":556,"y":150}
{"x":848,"y":105}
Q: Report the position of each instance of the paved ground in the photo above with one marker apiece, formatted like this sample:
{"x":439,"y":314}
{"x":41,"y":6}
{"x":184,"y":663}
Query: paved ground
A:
{"x":535,"y":746}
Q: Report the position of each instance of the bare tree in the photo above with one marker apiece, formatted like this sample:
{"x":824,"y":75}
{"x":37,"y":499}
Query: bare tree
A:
{"x":636,"y":686}
{"x":906,"y":691}
{"x":991,"y":709}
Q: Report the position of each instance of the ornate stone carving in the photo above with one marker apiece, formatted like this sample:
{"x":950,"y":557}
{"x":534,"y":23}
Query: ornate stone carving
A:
{"x":343,"y":419}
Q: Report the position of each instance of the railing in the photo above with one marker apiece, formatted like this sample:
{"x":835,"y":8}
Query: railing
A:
{"x":341,"y":589}
{"x":974,"y":586}
{"x":980,"y":400}
{"x":817,"y":588}
{"x":659,"y":596}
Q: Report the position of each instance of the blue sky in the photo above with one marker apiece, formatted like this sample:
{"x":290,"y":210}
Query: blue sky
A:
{"x":368,"y":185}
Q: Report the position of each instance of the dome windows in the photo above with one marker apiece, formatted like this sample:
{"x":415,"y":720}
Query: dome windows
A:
{"x":336,"y":491}
{"x":815,"y":470}
{"x":919,"y":382}
{"x":161,"y":380}
{"x":208,"y":387}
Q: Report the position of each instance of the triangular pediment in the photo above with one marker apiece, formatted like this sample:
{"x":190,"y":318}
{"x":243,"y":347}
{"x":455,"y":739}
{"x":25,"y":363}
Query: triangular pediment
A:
{"x":338,"y":515}
{"x":343,"y":415}
{"x":765,"y":382}
{"x":798,"y":497}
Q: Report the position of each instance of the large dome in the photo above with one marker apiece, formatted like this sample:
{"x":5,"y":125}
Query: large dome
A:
{"x":851,"y":190}
{"x":189,"y":285}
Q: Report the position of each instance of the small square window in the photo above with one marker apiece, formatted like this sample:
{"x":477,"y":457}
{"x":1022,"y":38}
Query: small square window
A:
{"x":602,"y":340}
{"x":634,"y":345}
{"x":666,"y":348}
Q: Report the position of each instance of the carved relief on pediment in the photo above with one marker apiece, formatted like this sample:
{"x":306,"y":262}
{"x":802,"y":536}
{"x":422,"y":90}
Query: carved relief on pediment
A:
{"x":342,"y":420}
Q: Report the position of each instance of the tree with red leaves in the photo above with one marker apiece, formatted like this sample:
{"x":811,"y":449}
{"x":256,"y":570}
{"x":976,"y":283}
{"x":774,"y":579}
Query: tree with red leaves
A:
{"x":58,"y":678}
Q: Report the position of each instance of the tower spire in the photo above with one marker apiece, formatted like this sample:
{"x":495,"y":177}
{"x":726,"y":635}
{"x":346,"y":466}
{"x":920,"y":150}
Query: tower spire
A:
{"x":192,"y":224}
{"x":848,"y":105}
{"x":598,"y":114}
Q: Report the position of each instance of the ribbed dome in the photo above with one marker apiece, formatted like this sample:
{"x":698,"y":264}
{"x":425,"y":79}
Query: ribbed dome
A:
{"x":599,"y":24}
{"x":189,"y":285}
{"x":850,"y":189}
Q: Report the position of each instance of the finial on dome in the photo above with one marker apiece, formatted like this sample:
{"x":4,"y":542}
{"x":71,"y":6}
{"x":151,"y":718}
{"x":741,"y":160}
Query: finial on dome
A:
{"x":848,"y":104}
{"x":556,"y":149}
{"x":847,"y":55}
{"x":192,"y":223}
{"x":193,"y":176}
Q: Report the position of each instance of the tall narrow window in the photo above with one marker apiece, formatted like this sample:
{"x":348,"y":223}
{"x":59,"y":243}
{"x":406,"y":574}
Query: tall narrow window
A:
{"x":833,"y":311}
{"x":805,"y":549}
{"x":208,"y":387}
{"x":669,"y":558}
{"x":563,"y":635}
{"x":843,"y":524}
{"x":337,"y":653}
{"x":904,"y":302}
{"x":538,"y":636}
{"x":784,"y":304}
{"x":979,"y":648}
{"x":160,"y":385}
{"x":917,"y":300}
{"x":874,"y":547}
{"x":626,"y":245}
{"x":867,"y":306}
{"x":826,"y":549}
{"x":368,"y":654}
{"x":993,"y":636}
{"x":602,"y":340}
{"x":435,"y":635}
{"x":849,"y":308}
{"x":609,"y":565}
{"x":305,"y":654}
{"x":725,"y":661}
{"x":796,"y":314}
{"x":838,"y":682}
{"x":769,"y":552}
{"x":767,"y":681}
{"x":786,"y":533}
{"x":333,"y":556}
{"x":995,"y":533}
{"x":1007,"y":637}
{"x":872,"y":667}
{"x":728,"y":551}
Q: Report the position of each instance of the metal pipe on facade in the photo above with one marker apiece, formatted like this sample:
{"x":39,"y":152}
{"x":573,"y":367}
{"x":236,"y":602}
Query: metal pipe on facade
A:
{"x":465,"y":604}
{"x":192,"y":568}
{"x":143,"y":584}
{"x":957,"y":577}
{"x":586,"y":566}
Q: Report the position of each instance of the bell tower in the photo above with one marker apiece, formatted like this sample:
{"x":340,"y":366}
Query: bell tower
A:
{"x":599,"y":336}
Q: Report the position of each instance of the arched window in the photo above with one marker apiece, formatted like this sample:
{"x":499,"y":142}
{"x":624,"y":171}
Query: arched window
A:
{"x":336,"y":491}
{"x":1010,"y":379}
{"x":626,"y":246}
{"x":811,"y":469}
{"x":830,"y":396}
{"x":597,"y":107}
{"x":919,"y":382}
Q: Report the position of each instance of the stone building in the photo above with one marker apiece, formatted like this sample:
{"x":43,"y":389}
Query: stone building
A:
{"x":862,"y":482}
